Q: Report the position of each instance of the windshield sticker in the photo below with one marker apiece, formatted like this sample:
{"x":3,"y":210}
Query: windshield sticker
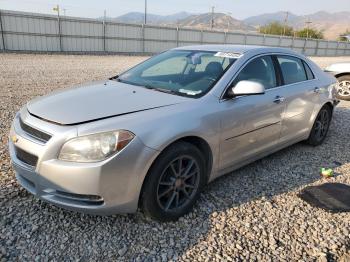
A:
{"x":190,"y":92}
{"x":228,"y":55}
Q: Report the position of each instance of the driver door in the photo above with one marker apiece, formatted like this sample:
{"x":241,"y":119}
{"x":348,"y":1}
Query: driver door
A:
{"x":251,"y":124}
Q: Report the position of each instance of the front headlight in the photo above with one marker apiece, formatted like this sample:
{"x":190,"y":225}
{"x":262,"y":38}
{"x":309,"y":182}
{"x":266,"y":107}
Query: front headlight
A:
{"x":96,"y":147}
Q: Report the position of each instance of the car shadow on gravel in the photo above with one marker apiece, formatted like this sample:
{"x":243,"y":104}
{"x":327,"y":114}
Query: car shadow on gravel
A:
{"x":228,"y":209}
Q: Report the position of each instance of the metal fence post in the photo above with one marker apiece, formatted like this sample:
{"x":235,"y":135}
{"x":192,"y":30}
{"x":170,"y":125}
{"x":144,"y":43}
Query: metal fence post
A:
{"x":304,"y":48}
{"x":59,"y":32}
{"x":2,"y":34}
{"x":104,"y":35}
{"x":317,"y":46}
{"x":336,"y":51}
{"x":225,"y":37}
{"x":143,"y":38}
{"x":201,"y":36}
{"x":346,"y":47}
{"x":280,"y":42}
{"x":264,"y":40}
{"x":177,"y":36}
{"x":245,"y":38}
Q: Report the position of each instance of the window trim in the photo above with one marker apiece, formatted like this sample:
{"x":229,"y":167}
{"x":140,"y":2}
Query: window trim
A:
{"x":306,"y":65}
{"x":223,"y":98}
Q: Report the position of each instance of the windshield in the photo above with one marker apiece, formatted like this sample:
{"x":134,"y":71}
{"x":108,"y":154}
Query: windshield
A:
{"x":188,"y":73}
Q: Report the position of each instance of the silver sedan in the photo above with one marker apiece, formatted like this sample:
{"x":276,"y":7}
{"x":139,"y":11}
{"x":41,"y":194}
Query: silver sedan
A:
{"x":153,"y":136}
{"x":342,"y":72}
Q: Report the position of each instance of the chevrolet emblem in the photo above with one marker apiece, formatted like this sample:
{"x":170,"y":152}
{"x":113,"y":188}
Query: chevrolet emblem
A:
{"x":14,"y":139}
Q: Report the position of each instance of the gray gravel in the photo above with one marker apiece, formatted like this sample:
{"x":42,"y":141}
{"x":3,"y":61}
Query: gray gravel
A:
{"x":251,"y":214}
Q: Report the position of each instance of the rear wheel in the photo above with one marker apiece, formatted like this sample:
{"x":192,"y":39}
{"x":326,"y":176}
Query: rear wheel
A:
{"x":174,"y":182}
{"x":320,"y":128}
{"x":343,"y":87}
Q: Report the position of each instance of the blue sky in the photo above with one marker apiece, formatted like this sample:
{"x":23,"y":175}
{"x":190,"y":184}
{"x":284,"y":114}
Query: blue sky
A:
{"x":239,"y":8}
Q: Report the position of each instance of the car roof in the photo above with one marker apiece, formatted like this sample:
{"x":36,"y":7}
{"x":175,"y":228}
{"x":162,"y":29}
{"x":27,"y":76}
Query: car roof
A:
{"x":241,"y":49}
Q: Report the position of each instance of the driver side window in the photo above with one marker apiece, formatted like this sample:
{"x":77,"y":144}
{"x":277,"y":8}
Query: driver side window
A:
{"x":260,"y":70}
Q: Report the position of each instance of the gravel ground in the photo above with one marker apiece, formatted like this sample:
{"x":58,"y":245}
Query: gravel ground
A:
{"x":326,"y":61}
{"x":252,"y":214}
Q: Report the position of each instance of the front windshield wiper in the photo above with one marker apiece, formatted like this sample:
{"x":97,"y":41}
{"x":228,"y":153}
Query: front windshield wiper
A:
{"x":114,"y":78}
{"x":159,"y":89}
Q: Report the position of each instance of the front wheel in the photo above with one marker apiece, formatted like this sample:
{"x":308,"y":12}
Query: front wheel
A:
{"x":343,"y":87}
{"x":173,"y":183}
{"x":320,"y":128}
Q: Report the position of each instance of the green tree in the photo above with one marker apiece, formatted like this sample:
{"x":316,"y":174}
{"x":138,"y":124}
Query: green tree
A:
{"x":310,"y":33}
{"x":342,"y":36}
{"x":276,"y":28}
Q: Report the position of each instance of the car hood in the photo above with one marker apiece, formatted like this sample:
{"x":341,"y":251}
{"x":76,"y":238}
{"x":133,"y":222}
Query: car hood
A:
{"x":339,"y":67}
{"x":97,"y":101}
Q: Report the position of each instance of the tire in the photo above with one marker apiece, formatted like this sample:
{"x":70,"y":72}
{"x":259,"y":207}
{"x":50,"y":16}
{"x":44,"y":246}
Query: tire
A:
{"x":168,"y":194}
{"x":320,"y":128}
{"x":343,"y":87}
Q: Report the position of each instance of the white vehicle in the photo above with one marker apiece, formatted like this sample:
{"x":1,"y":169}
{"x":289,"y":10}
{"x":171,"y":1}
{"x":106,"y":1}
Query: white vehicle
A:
{"x":342,"y":72}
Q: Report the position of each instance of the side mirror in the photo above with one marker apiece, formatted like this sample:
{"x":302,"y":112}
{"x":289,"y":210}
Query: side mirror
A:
{"x":247,"y":88}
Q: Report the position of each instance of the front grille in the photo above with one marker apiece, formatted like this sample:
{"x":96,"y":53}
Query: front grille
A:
{"x":37,"y":134}
{"x":26,"y":157}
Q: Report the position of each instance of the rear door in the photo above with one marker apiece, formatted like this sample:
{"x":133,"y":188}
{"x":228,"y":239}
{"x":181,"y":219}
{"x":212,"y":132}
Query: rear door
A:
{"x":251,"y":124}
{"x":301,"y":94}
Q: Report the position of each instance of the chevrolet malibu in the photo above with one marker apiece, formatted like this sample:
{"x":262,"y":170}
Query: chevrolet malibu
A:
{"x":153,"y":136}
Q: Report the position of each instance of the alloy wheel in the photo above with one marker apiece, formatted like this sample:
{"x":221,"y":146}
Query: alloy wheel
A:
{"x":343,"y":88}
{"x":322,"y":124}
{"x":178,"y":183}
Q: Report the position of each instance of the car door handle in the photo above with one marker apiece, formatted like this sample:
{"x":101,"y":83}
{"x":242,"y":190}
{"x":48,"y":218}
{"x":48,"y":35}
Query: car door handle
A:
{"x":279,"y":99}
{"x":317,"y":89}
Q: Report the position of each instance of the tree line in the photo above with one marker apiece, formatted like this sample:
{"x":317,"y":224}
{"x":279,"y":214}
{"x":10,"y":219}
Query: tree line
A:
{"x":276,"y":28}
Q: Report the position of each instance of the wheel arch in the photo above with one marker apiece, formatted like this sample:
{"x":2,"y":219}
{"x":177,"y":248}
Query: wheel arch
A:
{"x":198,"y":142}
{"x":342,"y":74}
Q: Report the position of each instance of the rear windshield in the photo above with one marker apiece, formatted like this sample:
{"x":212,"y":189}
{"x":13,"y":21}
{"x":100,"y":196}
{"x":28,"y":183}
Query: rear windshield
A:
{"x":187,"y":73}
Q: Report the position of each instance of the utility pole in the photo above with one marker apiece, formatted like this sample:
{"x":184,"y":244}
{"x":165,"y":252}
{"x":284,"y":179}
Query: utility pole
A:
{"x":145,"y":21}
{"x":308,"y":22}
{"x":57,"y":9}
{"x":228,"y":20}
{"x":285,"y":23}
{"x":64,"y":11}
{"x":212,"y":17}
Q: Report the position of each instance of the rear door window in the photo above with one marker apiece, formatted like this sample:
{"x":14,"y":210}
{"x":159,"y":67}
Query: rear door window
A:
{"x":292,"y":69}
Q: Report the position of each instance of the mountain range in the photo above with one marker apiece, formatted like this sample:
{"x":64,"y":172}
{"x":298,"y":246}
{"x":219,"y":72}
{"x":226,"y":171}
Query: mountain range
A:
{"x":332,"y":24}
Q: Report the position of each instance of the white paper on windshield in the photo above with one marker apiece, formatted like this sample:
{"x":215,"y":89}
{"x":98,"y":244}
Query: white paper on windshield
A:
{"x":228,"y":55}
{"x":190,"y":92}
